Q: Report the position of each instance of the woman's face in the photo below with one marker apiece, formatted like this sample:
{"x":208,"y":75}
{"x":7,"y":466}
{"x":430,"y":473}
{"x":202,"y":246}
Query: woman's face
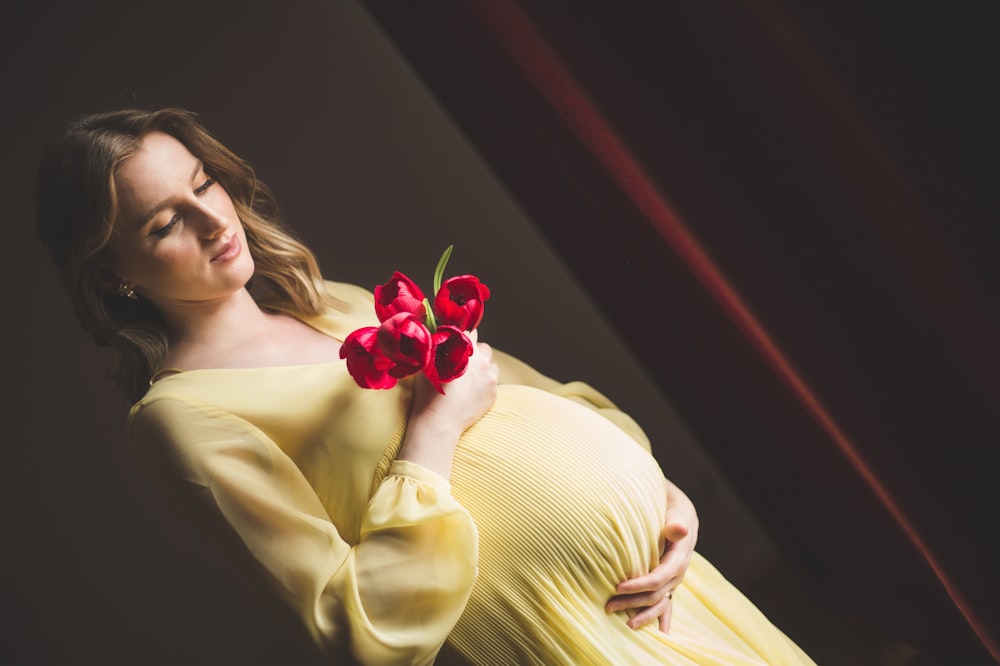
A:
{"x":178,"y":240}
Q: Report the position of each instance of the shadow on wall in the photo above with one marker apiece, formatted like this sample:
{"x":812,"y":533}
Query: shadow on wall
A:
{"x":375,"y":177}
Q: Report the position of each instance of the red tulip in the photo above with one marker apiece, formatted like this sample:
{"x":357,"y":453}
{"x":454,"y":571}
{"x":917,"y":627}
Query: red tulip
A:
{"x":459,"y":302}
{"x":365,"y":361}
{"x":399,"y":294}
{"x":406,"y":342}
{"x":450,"y":356}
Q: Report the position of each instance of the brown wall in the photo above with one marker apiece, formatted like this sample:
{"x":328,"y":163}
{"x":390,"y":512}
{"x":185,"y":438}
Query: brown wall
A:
{"x":375,"y":177}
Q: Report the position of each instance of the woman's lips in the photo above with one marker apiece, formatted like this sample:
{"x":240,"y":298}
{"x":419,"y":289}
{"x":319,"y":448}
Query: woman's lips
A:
{"x":229,"y":251}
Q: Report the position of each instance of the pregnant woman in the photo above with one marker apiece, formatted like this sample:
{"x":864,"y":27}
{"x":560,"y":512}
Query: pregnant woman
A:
{"x":519,"y":519}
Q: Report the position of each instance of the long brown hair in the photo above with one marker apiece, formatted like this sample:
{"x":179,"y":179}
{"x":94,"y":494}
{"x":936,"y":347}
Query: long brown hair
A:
{"x":76,"y":206}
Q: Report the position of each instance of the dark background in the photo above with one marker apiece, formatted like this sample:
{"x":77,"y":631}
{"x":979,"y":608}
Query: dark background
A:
{"x":836,"y":160}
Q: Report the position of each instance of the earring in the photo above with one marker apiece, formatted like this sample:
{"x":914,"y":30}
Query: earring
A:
{"x":126,"y":291}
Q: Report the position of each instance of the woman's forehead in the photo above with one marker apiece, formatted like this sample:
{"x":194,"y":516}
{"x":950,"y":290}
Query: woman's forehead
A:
{"x":150,"y":175}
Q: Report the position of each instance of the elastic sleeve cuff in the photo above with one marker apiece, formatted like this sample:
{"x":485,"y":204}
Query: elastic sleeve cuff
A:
{"x":407,"y":468}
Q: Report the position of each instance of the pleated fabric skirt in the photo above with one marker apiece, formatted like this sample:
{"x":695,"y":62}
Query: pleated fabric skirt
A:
{"x":567,"y":506}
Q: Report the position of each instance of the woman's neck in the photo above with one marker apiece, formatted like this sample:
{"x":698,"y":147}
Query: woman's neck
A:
{"x":236,"y":333}
{"x":215,"y":326}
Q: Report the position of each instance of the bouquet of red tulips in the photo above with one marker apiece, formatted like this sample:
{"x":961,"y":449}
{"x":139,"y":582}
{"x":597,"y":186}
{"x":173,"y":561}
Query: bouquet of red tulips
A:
{"x":414,"y":335}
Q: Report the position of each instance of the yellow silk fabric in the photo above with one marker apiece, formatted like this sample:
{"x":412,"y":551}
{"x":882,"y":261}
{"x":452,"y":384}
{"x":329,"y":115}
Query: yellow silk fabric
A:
{"x":554,"y":498}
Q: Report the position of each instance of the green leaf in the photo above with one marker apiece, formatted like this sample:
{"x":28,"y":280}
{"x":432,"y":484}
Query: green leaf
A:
{"x":439,"y":271}
{"x":431,"y":321}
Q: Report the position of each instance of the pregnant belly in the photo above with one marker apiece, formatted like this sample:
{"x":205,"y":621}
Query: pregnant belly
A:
{"x":561,"y":497}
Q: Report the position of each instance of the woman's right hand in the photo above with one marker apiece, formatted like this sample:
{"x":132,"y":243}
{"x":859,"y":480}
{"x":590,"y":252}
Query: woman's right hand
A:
{"x":438,"y":420}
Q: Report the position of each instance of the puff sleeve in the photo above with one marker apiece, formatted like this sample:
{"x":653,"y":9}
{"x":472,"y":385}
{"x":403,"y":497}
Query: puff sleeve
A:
{"x":392,"y":598}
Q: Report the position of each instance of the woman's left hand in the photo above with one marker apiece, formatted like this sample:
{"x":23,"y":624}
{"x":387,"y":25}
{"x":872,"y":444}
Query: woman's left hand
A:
{"x":652,"y":594}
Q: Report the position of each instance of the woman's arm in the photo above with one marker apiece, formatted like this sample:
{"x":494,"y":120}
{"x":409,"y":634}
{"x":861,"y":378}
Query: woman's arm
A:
{"x":437,"y":421}
{"x":391,"y":598}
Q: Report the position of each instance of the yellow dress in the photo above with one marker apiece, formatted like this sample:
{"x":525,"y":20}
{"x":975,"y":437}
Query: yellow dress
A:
{"x":554,"y":499}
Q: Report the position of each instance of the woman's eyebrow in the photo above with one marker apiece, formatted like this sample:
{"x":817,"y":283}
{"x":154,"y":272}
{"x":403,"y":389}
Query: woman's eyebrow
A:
{"x":156,"y":208}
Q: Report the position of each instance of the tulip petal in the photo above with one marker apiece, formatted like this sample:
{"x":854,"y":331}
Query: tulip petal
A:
{"x":460,"y":302}
{"x":400,"y":294}
{"x":450,"y":356}
{"x":366,"y":363}
{"x":405,"y":341}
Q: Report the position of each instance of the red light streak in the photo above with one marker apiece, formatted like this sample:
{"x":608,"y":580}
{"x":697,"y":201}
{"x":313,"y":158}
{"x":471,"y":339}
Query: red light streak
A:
{"x":518,"y":36}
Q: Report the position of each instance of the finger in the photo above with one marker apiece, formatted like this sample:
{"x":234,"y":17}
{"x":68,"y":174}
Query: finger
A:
{"x":654,"y":581}
{"x":649,"y":613}
{"x":473,"y":335}
{"x":675,"y":530}
{"x":665,"y":618}
{"x":637,"y":601}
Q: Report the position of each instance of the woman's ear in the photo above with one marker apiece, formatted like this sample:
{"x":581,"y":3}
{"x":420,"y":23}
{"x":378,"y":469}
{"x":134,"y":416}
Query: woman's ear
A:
{"x":113,"y":284}
{"x":108,"y":280}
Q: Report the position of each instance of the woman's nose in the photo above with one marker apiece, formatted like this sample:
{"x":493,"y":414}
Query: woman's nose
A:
{"x":212,"y":223}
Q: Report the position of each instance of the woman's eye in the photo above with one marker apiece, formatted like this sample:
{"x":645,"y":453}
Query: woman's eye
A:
{"x":165,"y":229}
{"x":204,"y":186}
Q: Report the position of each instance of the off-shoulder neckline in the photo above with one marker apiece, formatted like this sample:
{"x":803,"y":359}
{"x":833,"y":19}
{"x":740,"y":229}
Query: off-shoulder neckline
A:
{"x":174,"y":372}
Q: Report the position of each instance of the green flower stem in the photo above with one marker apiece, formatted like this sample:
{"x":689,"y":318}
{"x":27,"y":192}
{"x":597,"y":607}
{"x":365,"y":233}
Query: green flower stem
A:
{"x":431,"y":322}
